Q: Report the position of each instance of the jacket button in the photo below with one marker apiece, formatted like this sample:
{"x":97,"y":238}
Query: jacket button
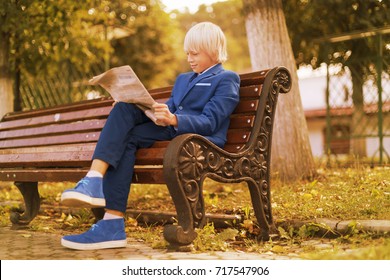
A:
{"x":180,"y":107}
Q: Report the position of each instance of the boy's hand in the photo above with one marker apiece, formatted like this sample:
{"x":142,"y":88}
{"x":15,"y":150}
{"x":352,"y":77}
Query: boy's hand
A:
{"x":163,"y":115}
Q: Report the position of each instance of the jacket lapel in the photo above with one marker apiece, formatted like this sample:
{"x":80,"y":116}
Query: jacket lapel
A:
{"x":213,"y":71}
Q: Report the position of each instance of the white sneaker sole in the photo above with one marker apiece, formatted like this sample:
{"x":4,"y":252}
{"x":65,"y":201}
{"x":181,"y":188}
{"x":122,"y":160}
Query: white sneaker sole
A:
{"x":75,"y":199}
{"x":94,"y":246}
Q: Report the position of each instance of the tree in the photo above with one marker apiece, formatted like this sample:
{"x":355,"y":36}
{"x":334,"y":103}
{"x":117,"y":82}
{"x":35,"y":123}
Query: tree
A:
{"x":36,"y":36}
{"x":309,"y":20}
{"x":270,"y":46}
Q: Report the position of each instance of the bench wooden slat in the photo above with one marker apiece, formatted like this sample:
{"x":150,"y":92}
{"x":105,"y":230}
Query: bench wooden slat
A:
{"x":148,"y":176}
{"x":50,"y":158}
{"x":76,"y":148}
{"x":43,"y":175}
{"x":60,"y":159}
{"x":51,"y":140}
{"x":253,"y":78}
{"x":57,"y":118}
{"x":88,"y":125}
{"x":250,"y":91}
{"x":76,"y":155}
{"x":72,"y":107}
{"x":141,"y":175}
{"x":150,"y":156}
{"x":161,"y":93}
{"x":242,"y":121}
{"x":47,"y":149}
{"x":238,"y":136}
{"x":246,"y":106}
{"x":71,"y":155}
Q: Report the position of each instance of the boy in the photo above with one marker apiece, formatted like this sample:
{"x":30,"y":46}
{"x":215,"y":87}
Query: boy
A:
{"x":201,"y":103}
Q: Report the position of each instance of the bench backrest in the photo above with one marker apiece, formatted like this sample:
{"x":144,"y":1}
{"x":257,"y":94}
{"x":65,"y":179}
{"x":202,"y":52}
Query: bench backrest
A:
{"x":65,"y":136}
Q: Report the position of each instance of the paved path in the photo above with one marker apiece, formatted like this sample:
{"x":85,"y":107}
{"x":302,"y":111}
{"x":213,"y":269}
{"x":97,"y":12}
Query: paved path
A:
{"x":30,"y":245}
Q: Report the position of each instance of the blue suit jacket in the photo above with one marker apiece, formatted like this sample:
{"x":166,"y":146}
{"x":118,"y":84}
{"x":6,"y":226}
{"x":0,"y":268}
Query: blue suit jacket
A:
{"x":203,"y":104}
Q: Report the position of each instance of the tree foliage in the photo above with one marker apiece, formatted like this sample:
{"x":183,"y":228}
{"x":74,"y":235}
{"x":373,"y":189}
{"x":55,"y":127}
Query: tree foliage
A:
{"x":47,"y":37}
{"x":45,"y":33}
{"x":308,"y":20}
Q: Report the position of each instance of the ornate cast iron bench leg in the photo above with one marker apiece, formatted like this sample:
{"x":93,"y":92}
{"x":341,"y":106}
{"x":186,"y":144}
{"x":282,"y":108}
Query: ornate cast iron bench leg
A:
{"x":184,"y":178}
{"x":278,"y":81}
{"x":32,"y":201}
{"x":260,"y":207}
{"x":189,"y":160}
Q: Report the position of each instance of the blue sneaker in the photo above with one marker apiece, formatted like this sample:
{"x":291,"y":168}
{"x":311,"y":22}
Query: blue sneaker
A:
{"x":102,"y":235}
{"x":87,"y":193}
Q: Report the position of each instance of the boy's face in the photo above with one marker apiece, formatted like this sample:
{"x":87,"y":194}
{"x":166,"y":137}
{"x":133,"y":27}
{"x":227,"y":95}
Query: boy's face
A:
{"x":200,"y":61}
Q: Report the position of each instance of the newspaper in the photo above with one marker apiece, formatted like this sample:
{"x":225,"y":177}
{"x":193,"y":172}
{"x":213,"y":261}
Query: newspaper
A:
{"x":124,"y":86}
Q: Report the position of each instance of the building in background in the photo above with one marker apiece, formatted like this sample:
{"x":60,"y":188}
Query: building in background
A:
{"x":313,"y":86}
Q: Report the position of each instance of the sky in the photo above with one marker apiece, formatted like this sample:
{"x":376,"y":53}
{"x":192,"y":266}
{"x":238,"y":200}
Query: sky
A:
{"x":192,"y":5}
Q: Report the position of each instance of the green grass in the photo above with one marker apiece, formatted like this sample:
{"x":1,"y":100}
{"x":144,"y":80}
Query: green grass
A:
{"x":368,"y":250}
{"x":339,"y":194}
{"x":353,"y":193}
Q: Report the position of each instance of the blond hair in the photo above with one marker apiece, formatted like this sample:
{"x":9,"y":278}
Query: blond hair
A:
{"x":207,"y":37}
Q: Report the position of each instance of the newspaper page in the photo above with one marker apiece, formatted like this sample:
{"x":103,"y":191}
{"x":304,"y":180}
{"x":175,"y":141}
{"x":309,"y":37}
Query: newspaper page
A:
{"x":124,"y":86}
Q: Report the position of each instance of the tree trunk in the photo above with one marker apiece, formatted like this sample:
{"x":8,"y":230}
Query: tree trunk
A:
{"x":269,"y":46}
{"x":6,"y":91}
{"x":359,"y":119}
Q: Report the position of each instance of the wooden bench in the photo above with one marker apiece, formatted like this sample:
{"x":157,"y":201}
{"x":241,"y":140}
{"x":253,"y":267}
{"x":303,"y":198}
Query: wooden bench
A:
{"x":56,"y":144}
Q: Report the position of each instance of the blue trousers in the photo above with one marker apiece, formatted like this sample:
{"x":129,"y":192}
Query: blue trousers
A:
{"x":127,"y":128}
